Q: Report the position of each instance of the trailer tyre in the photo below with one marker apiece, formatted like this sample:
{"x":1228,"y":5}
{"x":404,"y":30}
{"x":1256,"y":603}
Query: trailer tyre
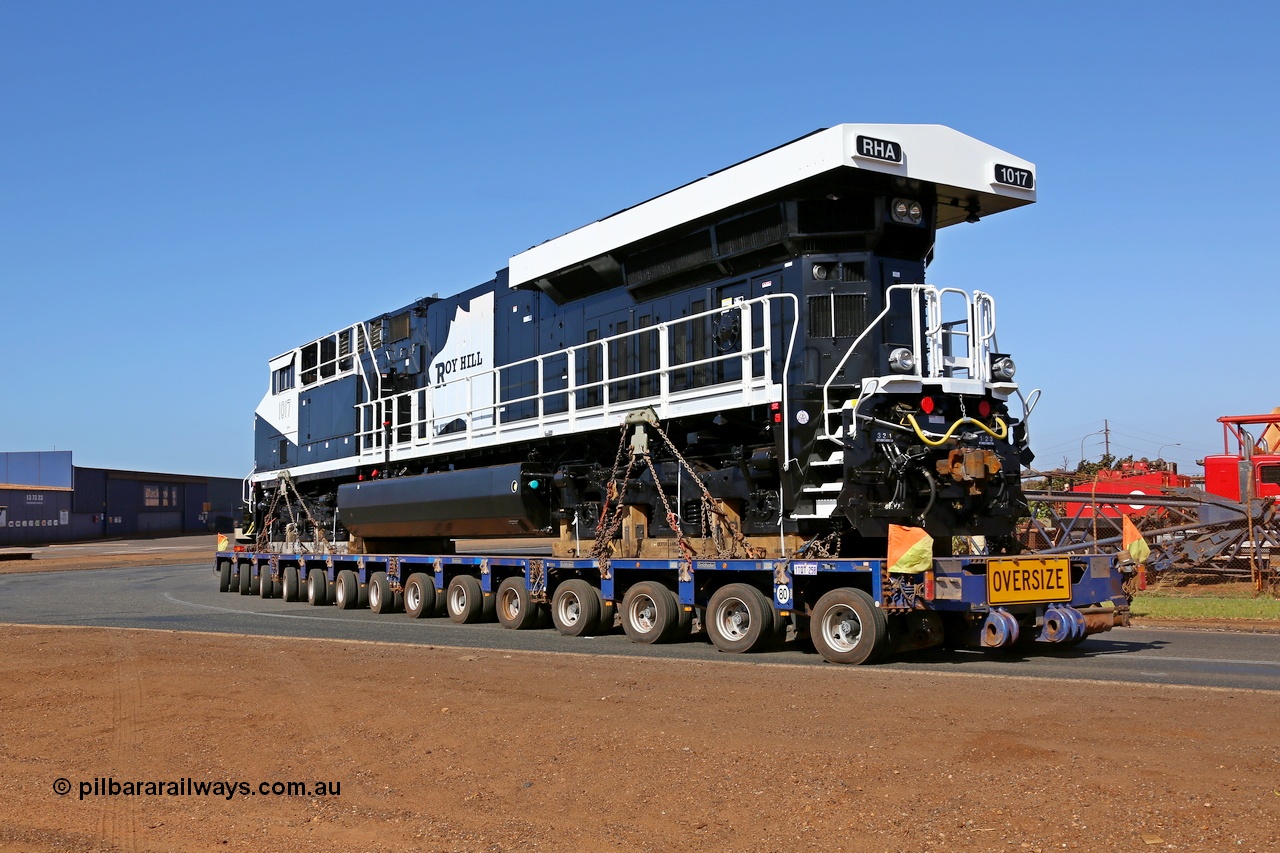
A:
{"x":740,"y":619}
{"x":381,"y":598}
{"x":847,"y":627}
{"x":347,"y":590}
{"x":464,"y":599}
{"x":515,"y":607}
{"x":289,"y":586}
{"x":224,"y":575}
{"x":650,"y":613}
{"x":575,"y":609}
{"x":246,"y":578}
{"x":317,"y":588}
{"x":420,"y":595}
{"x":265,"y":585}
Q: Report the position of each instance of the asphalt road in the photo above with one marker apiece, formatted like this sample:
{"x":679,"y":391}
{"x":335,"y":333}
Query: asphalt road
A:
{"x":186,"y":598}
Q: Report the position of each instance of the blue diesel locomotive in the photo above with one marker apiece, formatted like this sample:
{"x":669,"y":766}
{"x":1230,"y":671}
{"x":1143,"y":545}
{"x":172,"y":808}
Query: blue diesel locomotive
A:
{"x":748,"y":365}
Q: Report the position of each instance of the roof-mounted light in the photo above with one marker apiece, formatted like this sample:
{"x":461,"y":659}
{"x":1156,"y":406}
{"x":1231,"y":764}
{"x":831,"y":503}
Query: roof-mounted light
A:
{"x":907,"y":211}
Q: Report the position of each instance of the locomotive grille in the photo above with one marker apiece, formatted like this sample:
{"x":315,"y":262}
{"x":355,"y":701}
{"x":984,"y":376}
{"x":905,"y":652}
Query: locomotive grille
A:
{"x":837,"y":315}
{"x":344,"y":349}
{"x":676,"y":256}
{"x":762,"y":228}
{"x":399,"y":327}
{"x":853,"y":271}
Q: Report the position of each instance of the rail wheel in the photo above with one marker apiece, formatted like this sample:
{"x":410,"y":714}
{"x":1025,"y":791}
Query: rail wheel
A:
{"x":740,"y":619}
{"x":347,"y":590}
{"x":650,"y":613}
{"x":575,"y":609}
{"x":420,"y":595}
{"x":224,"y":575}
{"x":465,"y":602}
{"x":516,"y":609}
{"x":317,"y":588}
{"x":381,"y":598}
{"x":847,"y":627}
{"x":289,"y":584}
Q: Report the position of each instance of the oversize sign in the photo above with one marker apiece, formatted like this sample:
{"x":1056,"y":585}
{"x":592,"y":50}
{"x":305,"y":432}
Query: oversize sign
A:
{"x":1028,"y":580}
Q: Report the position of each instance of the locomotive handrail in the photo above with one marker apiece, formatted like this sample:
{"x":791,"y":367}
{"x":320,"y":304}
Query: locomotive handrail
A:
{"x":835,"y":371}
{"x":937,"y":332}
{"x":422,"y":416}
{"x":927,"y":342}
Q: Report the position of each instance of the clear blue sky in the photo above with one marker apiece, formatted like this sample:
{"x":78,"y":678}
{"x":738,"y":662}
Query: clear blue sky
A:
{"x":188,"y":189}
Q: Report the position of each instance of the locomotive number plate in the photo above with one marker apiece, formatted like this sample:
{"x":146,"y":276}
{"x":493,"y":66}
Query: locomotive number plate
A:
{"x":1013,"y":177}
{"x":1027,"y":580}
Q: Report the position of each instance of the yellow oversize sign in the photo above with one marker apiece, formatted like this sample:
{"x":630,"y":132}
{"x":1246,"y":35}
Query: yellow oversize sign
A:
{"x":1028,"y":580}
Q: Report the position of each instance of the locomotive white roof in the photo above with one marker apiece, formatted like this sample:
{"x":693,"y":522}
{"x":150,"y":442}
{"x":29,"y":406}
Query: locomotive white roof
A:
{"x":961,"y":166}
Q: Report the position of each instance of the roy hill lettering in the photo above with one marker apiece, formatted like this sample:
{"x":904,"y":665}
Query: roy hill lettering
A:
{"x":453,"y":365}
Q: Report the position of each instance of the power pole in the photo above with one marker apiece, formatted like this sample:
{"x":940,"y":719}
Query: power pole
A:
{"x":1106,"y":435}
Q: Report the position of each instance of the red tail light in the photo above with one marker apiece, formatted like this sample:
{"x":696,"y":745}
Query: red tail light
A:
{"x":984,"y":408}
{"x":927,"y":405}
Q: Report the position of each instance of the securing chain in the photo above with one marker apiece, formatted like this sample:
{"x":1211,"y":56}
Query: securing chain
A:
{"x":709,"y":508}
{"x":820,"y":547}
{"x":285,"y":482}
{"x":537,"y":581}
{"x":602,"y":547}
{"x":673,"y":521}
{"x":263,"y":541}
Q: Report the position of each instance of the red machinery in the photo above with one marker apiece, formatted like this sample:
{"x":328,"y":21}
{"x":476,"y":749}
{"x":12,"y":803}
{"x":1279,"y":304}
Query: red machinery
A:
{"x":1230,"y":527}
{"x":1133,"y":478}
{"x":1254,"y":461}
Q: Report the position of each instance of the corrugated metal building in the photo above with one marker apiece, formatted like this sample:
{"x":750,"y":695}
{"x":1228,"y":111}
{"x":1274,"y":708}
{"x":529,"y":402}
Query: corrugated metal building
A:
{"x":44,"y":498}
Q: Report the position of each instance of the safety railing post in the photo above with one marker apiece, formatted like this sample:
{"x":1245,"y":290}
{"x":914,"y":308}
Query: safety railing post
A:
{"x":664,"y":366}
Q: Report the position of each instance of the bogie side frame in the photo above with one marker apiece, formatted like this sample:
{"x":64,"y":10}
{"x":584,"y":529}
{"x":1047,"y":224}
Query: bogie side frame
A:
{"x":827,"y":597}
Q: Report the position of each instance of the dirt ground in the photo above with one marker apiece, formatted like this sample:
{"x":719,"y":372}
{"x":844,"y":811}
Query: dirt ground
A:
{"x":109,"y":555}
{"x":446,"y":749}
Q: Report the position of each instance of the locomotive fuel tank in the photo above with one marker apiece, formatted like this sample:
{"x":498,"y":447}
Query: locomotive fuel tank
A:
{"x":476,"y":503}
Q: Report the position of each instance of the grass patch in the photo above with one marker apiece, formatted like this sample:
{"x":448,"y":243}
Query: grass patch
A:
{"x":1218,"y":601}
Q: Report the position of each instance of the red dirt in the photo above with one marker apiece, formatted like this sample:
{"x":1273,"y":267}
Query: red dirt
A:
{"x":465,"y":750}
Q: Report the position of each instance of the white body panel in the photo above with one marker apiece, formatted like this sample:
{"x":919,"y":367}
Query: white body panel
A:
{"x":959,"y":164}
{"x":281,"y":409}
{"x":466,"y":354}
